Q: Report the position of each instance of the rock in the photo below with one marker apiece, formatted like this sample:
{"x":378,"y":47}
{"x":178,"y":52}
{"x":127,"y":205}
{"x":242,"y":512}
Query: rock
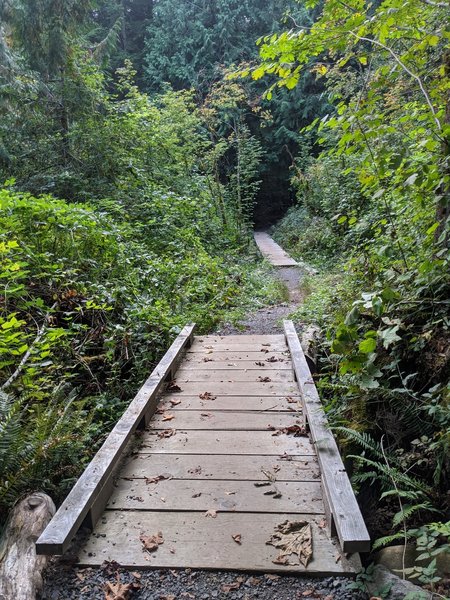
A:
{"x":388,"y":585}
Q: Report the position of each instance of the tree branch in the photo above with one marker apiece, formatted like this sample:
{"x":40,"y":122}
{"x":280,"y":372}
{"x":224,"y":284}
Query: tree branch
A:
{"x":399,"y":61}
{"x":27,"y":354}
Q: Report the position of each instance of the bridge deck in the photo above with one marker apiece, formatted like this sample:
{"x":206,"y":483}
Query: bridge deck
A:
{"x":223,"y":462}
{"x":272,"y":251}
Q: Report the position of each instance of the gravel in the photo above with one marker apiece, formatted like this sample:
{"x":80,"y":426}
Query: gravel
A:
{"x":64,"y":582}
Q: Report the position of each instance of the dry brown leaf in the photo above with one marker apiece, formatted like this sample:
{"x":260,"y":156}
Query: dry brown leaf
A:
{"x":266,"y":344}
{"x":260,"y":364}
{"x":168,"y":417}
{"x":237,"y":538}
{"x":118,"y":590}
{"x":150,"y":543}
{"x":261,"y":483}
{"x":211,"y":513}
{"x":167,"y":597}
{"x":197,"y":495}
{"x":295,"y":430}
{"x":207,"y":396}
{"x":271,"y":576}
{"x":173,"y":387}
{"x":291,"y":400}
{"x":206,"y":415}
{"x":264,"y":379}
{"x":322,"y":524}
{"x":175,"y":402}
{"x":136,"y":574}
{"x":235,"y":585}
{"x":206,"y":359}
{"x":264,"y":350}
{"x":156,"y":478}
{"x":294,"y":540}
{"x":272,"y":359}
{"x":166,"y":433}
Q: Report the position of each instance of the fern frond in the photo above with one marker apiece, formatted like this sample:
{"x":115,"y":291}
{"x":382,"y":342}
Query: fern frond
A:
{"x":388,"y":539}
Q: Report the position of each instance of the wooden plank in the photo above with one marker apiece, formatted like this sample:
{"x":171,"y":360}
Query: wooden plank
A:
{"x":241,"y":496}
{"x":219,"y":466}
{"x":223,"y":420}
{"x":245,"y":365}
{"x":237,"y":388}
{"x":87,"y":492}
{"x":233,"y":403}
{"x":243,"y":346}
{"x":349,"y":523}
{"x":237,"y":374}
{"x":212,"y":356}
{"x":226,"y":442}
{"x":264,"y":339}
{"x":194,"y":541}
{"x":272,"y":251}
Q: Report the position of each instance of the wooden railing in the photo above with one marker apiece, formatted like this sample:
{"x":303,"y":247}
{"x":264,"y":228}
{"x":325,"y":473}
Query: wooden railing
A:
{"x":344,"y":516}
{"x":88,"y":498}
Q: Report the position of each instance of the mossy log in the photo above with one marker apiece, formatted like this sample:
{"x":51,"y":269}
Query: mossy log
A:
{"x":20,"y":567}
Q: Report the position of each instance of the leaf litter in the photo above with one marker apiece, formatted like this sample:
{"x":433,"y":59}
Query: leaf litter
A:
{"x":151,"y":543}
{"x":118,"y":590}
{"x":207,"y":396}
{"x":294,"y":541}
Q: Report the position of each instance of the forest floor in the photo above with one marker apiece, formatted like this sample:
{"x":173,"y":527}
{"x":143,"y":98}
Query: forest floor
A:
{"x":64,"y":581}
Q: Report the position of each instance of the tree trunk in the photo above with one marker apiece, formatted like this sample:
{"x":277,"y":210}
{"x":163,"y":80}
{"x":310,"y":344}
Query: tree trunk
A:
{"x":20,"y":567}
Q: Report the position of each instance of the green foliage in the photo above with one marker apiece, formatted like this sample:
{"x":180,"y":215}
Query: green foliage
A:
{"x":379,"y":191}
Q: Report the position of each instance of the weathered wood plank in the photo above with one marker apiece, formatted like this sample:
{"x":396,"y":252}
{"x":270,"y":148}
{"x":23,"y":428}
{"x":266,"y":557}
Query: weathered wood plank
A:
{"x":226,"y":442}
{"x":235,"y":356}
{"x":349,"y":523}
{"x":195,"y":541}
{"x":223,"y":420}
{"x":231,"y":364}
{"x":220,"y":376}
{"x":237,"y":388}
{"x":272,"y":251}
{"x":243,"y":346}
{"x":234,"y":403}
{"x":264,"y":339}
{"x":219,"y":466}
{"x":241,"y":496}
{"x":87,"y":492}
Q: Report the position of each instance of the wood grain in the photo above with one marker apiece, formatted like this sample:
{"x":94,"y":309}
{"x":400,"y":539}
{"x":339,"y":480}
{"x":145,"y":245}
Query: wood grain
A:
{"x":349,"y":523}
{"x":223,"y":420}
{"x":241,"y":496}
{"x":227,"y":442}
{"x":199,"y":542}
{"x":220,"y":466}
{"x":233,"y":403}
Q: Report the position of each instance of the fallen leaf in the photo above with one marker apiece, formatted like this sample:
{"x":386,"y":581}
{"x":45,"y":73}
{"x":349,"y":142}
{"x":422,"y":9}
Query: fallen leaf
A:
{"x":197,"y":495}
{"x":230,"y":493}
{"x":295,"y":430}
{"x":260,"y":364}
{"x":136,"y":574}
{"x":261,"y":483}
{"x":167,"y":597}
{"x":168,"y":417}
{"x":272,"y":359}
{"x":235,"y":585}
{"x":151,"y":542}
{"x":166,"y":433}
{"x":173,"y":387}
{"x":156,"y":478}
{"x":207,"y":396}
{"x":294,"y":540}
{"x":118,"y":590}
{"x":206,"y":359}
{"x":264,"y":379}
{"x":175,"y":402}
{"x":237,"y":538}
{"x":211,"y":513}
{"x":266,"y":344}
{"x":264,"y":350}
{"x":322,"y":524}
{"x":307,"y":592}
{"x":206,"y":415}
{"x":291,"y":400}
{"x":271,"y":577}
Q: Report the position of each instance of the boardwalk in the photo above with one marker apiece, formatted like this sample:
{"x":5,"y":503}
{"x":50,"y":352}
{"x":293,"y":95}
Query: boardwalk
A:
{"x":223,"y":462}
{"x":272,"y":251}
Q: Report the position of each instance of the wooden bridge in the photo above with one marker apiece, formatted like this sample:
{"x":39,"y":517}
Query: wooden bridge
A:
{"x":223,"y":460}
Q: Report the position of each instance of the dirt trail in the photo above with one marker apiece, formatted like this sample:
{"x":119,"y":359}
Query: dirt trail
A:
{"x":270,"y":319}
